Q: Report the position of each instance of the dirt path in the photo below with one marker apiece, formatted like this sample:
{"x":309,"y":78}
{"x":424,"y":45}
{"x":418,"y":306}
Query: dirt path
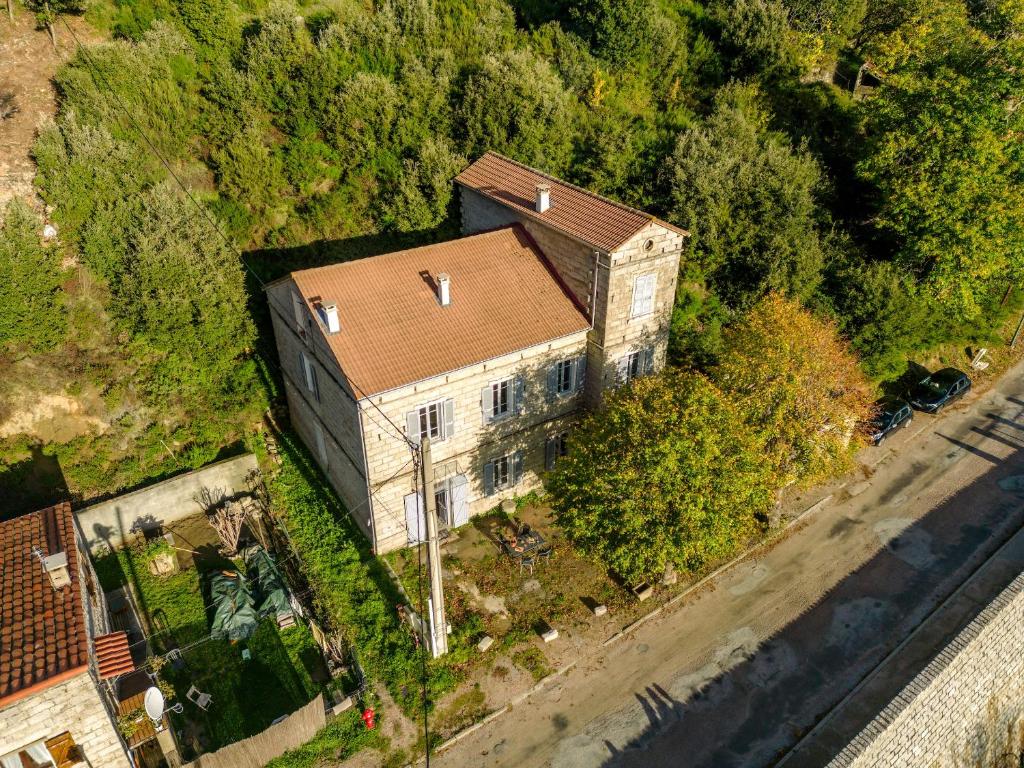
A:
{"x":739,"y":671}
{"x":27,"y":65}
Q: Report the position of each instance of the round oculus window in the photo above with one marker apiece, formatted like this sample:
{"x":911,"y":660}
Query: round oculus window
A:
{"x":649,"y":245}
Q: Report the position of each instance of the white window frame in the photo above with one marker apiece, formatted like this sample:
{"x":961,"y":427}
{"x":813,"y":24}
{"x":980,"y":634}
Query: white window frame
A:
{"x":634,"y":365}
{"x":508,"y":385}
{"x":424,"y":412}
{"x":643,"y":295}
{"x":566,"y":371}
{"x":37,"y":745}
{"x":506,"y":462}
{"x":300,"y":313}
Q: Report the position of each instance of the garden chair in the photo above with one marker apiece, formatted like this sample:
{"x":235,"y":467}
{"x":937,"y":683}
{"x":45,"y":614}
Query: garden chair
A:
{"x":526,"y":562}
{"x":197,"y":697}
{"x":545,"y":554}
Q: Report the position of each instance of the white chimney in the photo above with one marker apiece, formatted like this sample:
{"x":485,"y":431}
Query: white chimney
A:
{"x":330,"y":312}
{"x":444,"y":289}
{"x":543,"y":197}
{"x":56,"y":567}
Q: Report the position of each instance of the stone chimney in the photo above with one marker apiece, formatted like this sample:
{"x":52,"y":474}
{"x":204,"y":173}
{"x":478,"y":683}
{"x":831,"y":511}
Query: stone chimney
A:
{"x":56,"y":567}
{"x":543,"y":197}
{"x":444,"y":289}
{"x":330,"y":313}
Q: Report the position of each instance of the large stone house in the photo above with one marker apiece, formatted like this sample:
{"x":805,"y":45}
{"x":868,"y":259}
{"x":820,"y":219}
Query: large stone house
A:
{"x":55,"y":649}
{"x":490,"y":344}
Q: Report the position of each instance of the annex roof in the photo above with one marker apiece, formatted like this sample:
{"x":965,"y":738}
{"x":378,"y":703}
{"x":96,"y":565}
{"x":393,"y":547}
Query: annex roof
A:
{"x":113,"y":655}
{"x":598,"y":221}
{"x":505,"y":296}
{"x":42,"y":630}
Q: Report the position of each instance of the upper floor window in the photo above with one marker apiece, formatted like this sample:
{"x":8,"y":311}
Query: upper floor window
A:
{"x":643,"y":295}
{"x":300,"y":312}
{"x":635,"y":364}
{"x":309,"y":375}
{"x":434,"y":420}
{"x":502,"y":398}
{"x":503,"y":472}
{"x":567,"y":376}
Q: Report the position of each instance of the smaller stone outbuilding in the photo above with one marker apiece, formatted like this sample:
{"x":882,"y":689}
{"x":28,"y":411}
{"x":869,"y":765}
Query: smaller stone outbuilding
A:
{"x":55,"y":709}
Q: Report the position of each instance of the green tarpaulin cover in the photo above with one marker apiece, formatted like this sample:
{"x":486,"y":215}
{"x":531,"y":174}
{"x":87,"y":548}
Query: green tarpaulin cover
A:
{"x":235,"y":611}
{"x":269,"y":588}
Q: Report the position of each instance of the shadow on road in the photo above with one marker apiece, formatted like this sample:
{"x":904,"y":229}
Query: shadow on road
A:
{"x":756,"y":698}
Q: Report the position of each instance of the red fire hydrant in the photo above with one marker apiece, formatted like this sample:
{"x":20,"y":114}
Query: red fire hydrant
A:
{"x":368,"y":718}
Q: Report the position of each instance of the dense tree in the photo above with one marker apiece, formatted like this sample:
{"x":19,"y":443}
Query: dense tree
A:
{"x":424,"y":191}
{"x":665,"y":473}
{"x":945,"y":154}
{"x":797,"y":386}
{"x":516,"y":104}
{"x":618,"y":30}
{"x":31,"y":315}
{"x":749,"y":200}
{"x":754,"y":33}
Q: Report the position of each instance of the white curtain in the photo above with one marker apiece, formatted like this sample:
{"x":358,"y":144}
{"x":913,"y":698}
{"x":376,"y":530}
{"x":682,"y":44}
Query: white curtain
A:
{"x":11,"y":761}
{"x":39,"y":753}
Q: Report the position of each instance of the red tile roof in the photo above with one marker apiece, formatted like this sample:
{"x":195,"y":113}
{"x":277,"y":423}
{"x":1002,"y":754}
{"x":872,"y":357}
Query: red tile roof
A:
{"x":113,"y":655}
{"x":596,"y":220}
{"x":504,"y":297}
{"x":42,"y":630}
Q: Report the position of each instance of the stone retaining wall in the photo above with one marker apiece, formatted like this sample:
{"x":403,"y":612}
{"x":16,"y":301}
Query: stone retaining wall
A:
{"x":964,"y":709}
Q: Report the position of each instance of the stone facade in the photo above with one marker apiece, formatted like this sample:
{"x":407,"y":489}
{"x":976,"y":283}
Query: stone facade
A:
{"x":74,"y":706}
{"x":965,"y":708}
{"x":365,"y":457}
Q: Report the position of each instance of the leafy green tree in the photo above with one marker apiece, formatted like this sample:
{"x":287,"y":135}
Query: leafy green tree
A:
{"x":213,"y":23}
{"x":750,"y":201}
{"x":944,"y":152}
{"x":754,"y":34}
{"x":424,"y":191}
{"x":617,"y":30}
{"x":182,"y":297}
{"x":31,"y":312}
{"x":664,"y":473}
{"x":797,"y":385}
{"x":514,"y":103}
{"x":47,"y":12}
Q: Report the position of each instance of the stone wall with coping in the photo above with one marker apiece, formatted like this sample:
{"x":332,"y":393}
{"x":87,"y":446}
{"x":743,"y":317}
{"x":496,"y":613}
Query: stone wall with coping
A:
{"x":113,"y":522}
{"x":965,"y":708}
{"x":73,"y":705}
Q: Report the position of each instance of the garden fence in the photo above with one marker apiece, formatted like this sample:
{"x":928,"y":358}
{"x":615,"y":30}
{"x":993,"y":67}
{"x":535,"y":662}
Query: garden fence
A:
{"x":256,"y":751}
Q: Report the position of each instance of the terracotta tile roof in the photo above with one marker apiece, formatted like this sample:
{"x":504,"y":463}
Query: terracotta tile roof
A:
{"x":113,"y":655}
{"x":504,"y":297}
{"x":595,"y":220}
{"x":42,"y":630}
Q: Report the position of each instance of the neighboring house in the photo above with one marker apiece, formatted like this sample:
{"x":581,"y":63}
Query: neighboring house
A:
{"x":490,"y":344}
{"x":55,"y":711}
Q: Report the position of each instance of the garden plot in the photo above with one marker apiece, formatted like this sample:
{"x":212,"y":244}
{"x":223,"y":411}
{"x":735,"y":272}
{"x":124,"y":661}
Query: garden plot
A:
{"x":251,"y":676}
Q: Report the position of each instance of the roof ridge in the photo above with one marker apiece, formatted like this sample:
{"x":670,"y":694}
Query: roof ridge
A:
{"x":406,"y":251}
{"x":584,"y":190}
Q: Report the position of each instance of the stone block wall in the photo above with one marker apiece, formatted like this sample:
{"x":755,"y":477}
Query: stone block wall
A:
{"x":473,"y":441}
{"x":965,"y":707}
{"x":74,"y":706}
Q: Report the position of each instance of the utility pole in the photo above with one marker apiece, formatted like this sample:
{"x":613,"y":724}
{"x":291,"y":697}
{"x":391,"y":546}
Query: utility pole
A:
{"x":438,"y":624}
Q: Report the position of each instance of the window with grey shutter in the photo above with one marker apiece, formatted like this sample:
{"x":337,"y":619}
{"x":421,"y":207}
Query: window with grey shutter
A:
{"x":649,"y":360}
{"x":487,"y":403}
{"x":321,"y":444}
{"x":309,"y":374}
{"x":520,"y":391}
{"x":643,"y":295}
{"x":550,"y":453}
{"x":553,"y":373}
{"x":581,"y":372}
{"x":489,"y":478}
{"x":412,"y":425}
{"x":449,"y":418}
{"x":517,"y":467}
{"x":300,"y":312}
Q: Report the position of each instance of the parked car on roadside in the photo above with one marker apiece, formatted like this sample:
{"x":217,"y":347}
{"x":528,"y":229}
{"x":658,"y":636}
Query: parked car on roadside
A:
{"x":891,"y":414}
{"x":940,"y":389}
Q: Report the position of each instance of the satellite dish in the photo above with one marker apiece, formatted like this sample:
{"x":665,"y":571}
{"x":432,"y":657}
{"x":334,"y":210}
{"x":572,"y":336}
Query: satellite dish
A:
{"x":154,"y":703}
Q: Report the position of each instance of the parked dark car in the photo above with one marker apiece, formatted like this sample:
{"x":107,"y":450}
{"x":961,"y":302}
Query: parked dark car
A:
{"x":892,"y":414}
{"x":939,"y":390}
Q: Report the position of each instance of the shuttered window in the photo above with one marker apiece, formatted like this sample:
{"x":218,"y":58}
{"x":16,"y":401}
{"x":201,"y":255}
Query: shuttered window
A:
{"x":567,"y":376}
{"x":309,"y":374}
{"x":502,"y":398}
{"x":555,"y":448}
{"x":634,"y":364}
{"x":321,"y":444}
{"x":503,"y":472}
{"x":643,"y":295}
{"x":434,"y":420}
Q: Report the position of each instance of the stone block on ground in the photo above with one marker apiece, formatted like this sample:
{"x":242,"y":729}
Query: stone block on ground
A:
{"x":600,"y":610}
{"x":485,"y":642}
{"x":643,"y":591}
{"x":551,"y":634}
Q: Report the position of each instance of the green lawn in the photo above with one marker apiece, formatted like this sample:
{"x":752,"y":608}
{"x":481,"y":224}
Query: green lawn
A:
{"x":247,"y":695}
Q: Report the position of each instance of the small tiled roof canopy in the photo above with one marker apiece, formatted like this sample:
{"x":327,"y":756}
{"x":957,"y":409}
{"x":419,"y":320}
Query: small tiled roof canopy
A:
{"x":113,"y":656}
{"x":504,"y":297}
{"x":598,"y":221}
{"x":42,"y":630}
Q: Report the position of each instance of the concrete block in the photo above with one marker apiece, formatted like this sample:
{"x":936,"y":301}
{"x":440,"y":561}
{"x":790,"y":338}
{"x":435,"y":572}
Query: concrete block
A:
{"x":341,"y":706}
{"x":485,"y":642}
{"x":551,"y":634}
{"x":600,"y":610}
{"x":643,"y":591}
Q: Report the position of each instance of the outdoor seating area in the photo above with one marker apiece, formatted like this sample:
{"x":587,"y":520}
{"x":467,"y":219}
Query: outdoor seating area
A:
{"x":526,"y":546}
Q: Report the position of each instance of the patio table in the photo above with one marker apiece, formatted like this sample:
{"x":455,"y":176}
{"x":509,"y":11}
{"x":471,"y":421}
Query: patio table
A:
{"x":525,"y":545}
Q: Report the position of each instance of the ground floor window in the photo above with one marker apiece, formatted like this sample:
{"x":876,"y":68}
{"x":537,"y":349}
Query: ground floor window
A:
{"x":556,"y":447}
{"x":31,"y":756}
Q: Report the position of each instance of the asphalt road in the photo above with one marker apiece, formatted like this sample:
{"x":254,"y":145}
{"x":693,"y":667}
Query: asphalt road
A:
{"x":737,"y":674}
